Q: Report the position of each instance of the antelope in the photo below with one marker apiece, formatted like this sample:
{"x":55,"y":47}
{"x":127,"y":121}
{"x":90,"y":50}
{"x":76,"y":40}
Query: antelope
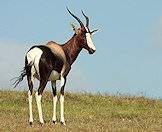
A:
{"x":52,"y":62}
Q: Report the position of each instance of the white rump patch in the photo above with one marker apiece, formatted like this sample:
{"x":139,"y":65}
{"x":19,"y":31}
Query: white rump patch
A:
{"x":34,"y":56}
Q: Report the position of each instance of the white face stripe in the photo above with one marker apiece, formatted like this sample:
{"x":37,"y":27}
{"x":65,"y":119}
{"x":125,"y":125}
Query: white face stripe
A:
{"x":89,"y":40}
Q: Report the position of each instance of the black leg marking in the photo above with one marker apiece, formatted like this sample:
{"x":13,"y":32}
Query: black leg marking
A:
{"x":53,"y":84}
{"x":62,"y":87}
{"x":41,"y":124}
{"x":29,"y":78}
{"x":54,"y":122}
{"x":30,"y":85}
{"x":31,"y":123}
{"x":63,"y":123}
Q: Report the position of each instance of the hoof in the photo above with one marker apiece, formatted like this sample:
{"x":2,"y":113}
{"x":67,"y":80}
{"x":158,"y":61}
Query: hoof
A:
{"x":41,"y":124}
{"x":63,"y":123}
{"x":31,"y":123}
{"x":54,"y":122}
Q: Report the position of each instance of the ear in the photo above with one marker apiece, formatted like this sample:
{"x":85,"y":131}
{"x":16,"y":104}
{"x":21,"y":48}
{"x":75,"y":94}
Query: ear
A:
{"x":78,"y":31}
{"x":73,"y":26}
{"x":92,"y":32}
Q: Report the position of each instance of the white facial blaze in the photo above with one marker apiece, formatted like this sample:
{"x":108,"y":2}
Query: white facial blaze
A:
{"x":89,"y":40}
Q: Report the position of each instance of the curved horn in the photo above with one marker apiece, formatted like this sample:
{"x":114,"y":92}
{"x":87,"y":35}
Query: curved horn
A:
{"x":87,"y":19}
{"x":80,"y":22}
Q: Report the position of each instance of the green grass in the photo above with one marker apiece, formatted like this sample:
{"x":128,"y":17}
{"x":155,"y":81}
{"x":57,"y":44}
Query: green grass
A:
{"x":83,"y":112}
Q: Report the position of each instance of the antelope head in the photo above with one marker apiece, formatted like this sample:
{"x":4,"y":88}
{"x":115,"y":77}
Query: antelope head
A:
{"x":84,"y":33}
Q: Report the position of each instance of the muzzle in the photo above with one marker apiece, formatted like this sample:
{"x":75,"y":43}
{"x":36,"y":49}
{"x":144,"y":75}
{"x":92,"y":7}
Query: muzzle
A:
{"x":91,"y":51}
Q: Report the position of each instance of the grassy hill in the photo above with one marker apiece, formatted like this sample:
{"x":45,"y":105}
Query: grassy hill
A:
{"x":83,"y":112}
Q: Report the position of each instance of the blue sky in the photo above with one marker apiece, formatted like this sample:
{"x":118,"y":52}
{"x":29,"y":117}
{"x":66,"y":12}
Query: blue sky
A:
{"x":129,"y":43}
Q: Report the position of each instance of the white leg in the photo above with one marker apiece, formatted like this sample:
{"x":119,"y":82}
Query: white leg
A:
{"x":54,"y":101}
{"x":62,"y":81}
{"x":62,"y":109}
{"x":30,"y":108}
{"x":54,"y":109}
{"x":30,"y":84}
{"x":38,"y":100}
{"x":62,"y":101}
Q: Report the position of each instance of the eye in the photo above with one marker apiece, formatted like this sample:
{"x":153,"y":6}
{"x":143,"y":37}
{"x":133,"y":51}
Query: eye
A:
{"x":84,"y":34}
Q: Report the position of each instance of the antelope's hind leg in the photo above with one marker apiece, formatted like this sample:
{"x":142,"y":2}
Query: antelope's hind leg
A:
{"x":38,"y":96}
{"x":30,"y":79}
{"x":44,"y":76}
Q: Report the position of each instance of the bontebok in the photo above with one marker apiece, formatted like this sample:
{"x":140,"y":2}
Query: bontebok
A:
{"x":53,"y":62}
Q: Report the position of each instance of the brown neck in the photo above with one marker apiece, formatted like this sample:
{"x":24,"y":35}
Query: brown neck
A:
{"x":72,"y":49}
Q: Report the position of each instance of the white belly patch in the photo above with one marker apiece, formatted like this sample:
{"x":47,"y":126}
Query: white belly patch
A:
{"x":54,"y":76}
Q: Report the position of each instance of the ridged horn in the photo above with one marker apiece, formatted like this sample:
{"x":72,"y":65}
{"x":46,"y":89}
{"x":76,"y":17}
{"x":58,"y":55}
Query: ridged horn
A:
{"x":87,"y":19}
{"x":80,"y":22}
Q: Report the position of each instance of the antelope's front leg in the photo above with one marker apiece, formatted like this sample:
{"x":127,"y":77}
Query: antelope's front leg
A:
{"x":63,"y":82}
{"x":53,"y":83}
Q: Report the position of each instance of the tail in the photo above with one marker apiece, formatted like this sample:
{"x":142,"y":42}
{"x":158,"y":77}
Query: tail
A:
{"x":18,"y":79}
